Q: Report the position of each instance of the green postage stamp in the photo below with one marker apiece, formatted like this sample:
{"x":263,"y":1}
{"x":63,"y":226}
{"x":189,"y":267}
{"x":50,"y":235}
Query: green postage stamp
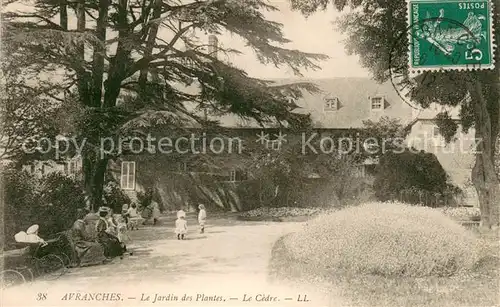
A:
{"x":450,"y":34}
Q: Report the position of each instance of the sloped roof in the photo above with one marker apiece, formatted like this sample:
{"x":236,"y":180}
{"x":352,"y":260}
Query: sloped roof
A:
{"x":354,"y":104}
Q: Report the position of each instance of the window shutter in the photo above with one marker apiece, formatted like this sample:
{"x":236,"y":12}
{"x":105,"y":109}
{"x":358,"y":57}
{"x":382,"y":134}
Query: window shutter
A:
{"x":123,"y":179}
{"x":131,"y":176}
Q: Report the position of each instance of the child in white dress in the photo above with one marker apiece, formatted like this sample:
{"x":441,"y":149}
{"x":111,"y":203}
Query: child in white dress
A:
{"x":133,"y":217}
{"x":202,"y":218}
{"x":181,"y":225}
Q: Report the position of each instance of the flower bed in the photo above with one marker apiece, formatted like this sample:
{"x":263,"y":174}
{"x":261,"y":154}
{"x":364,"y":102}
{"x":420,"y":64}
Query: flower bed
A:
{"x":279,"y":213}
{"x":461,"y":213}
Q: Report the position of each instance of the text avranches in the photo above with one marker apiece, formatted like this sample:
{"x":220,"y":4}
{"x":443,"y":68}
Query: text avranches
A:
{"x":102,"y":296}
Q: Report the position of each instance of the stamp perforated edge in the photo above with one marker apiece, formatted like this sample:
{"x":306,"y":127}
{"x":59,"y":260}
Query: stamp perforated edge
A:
{"x":418,"y":70}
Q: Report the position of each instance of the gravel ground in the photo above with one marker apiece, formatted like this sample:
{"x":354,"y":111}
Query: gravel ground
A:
{"x":228,"y":262}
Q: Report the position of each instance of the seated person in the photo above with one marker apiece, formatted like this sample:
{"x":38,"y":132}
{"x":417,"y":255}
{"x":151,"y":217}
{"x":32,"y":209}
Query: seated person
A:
{"x":132,"y":211}
{"x":112,"y":224}
{"x":133,"y":217}
{"x":91,"y":220}
{"x":125,"y":212}
{"x":87,"y":251}
{"x":112,"y":246}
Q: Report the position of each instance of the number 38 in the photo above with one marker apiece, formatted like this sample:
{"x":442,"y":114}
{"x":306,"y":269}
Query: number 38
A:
{"x":474,"y":54}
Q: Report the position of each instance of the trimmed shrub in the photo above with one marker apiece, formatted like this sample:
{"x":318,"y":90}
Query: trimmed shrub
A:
{"x":388,"y":239}
{"x":411,"y":173}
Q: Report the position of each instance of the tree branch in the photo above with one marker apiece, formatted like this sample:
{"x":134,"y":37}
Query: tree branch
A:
{"x":143,"y":63}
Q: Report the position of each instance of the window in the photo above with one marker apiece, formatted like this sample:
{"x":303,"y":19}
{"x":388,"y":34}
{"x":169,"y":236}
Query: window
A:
{"x":273,"y":144}
{"x":436,"y":132}
{"x":331,"y":104}
{"x":370,"y":169}
{"x":32,"y":168}
{"x":127,"y":181}
{"x":360,"y":171}
{"x":72,"y":168}
{"x":236,"y":175}
{"x":182,"y":167}
{"x":377,"y":103}
{"x":232,"y":175}
{"x":42,"y":169}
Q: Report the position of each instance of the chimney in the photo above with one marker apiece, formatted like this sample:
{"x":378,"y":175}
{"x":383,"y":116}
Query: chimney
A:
{"x":213,"y":45}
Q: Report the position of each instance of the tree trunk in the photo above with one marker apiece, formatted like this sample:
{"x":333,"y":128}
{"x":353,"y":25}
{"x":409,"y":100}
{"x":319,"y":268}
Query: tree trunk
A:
{"x":99,"y":52}
{"x":153,"y":32}
{"x":94,"y":171}
{"x":83,"y":76}
{"x":63,"y":15}
{"x":484,"y":175}
{"x":84,"y":96}
{"x":120,"y":63}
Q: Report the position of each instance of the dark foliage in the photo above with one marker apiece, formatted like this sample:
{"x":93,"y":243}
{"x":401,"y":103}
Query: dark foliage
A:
{"x":114,"y":197}
{"x":144,"y":198}
{"x":409,"y":171}
{"x":51,"y":202}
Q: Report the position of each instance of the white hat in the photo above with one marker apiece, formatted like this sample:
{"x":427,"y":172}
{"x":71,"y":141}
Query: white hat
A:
{"x":32,"y":229}
{"x":104,"y":209}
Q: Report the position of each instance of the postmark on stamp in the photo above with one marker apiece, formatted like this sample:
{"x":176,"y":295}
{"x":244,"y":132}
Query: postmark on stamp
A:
{"x":450,"y":35}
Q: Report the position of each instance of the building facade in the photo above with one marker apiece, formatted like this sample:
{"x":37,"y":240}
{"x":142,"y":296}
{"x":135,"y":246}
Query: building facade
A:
{"x":340,"y":107}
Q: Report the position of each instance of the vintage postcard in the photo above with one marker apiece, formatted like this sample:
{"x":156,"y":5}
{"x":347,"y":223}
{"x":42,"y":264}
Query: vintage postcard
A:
{"x":307,"y":153}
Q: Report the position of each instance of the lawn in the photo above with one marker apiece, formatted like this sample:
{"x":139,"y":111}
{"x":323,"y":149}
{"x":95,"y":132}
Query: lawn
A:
{"x":479,"y":287}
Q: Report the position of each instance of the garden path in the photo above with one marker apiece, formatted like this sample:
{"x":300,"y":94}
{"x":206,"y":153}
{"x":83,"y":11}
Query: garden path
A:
{"x":230,"y":261}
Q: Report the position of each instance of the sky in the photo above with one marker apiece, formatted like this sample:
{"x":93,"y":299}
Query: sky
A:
{"x":315,"y":34}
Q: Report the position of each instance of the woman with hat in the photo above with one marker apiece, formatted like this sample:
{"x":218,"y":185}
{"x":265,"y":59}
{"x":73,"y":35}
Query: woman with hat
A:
{"x":111,"y":244}
{"x":87,"y":252}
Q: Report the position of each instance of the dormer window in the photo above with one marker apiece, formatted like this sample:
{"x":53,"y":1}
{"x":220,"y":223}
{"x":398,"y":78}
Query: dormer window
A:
{"x":232,"y":175}
{"x":436,"y":133}
{"x":331,"y":104}
{"x":377,"y":103}
{"x":273,"y":144}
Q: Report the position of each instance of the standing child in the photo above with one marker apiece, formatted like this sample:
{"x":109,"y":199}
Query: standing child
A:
{"x":133,"y":217}
{"x":125,"y":213}
{"x":181,"y":225}
{"x":202,"y":218}
{"x":156,"y":212}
